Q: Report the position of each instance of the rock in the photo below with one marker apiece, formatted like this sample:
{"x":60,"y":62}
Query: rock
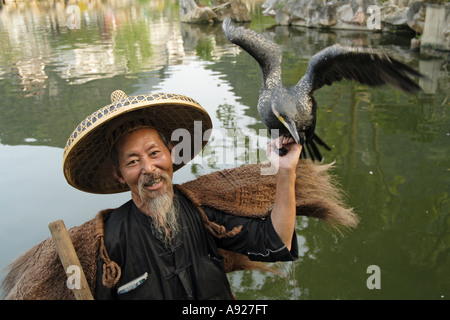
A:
{"x":235,"y":9}
{"x":345,"y":13}
{"x":300,"y":13}
{"x":340,"y":14}
{"x":270,"y":8}
{"x":368,"y":15}
{"x":394,"y":15}
{"x":327,"y":16}
{"x":337,"y":14}
{"x":190,"y":12}
{"x":415,"y":17}
{"x":432,"y":21}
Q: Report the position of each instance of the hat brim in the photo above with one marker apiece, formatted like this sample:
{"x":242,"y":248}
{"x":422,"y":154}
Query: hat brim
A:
{"x":87,"y":162}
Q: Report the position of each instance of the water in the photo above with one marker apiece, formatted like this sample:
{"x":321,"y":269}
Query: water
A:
{"x":391,"y":150}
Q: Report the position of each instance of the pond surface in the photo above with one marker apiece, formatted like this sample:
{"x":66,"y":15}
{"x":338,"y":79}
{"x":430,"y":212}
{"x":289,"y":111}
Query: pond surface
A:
{"x":391,"y":150}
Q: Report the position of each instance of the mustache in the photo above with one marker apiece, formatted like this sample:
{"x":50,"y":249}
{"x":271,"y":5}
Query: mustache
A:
{"x":148,"y":179}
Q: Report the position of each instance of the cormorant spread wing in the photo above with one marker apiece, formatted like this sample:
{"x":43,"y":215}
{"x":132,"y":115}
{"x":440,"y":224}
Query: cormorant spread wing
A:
{"x":367,"y":66}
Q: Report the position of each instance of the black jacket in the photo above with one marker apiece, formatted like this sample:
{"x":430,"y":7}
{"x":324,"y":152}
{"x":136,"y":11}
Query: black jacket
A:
{"x":194,"y":268}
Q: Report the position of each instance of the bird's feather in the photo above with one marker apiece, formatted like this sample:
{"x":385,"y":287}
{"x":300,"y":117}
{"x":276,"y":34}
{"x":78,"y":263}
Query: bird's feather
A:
{"x":366,"y":66}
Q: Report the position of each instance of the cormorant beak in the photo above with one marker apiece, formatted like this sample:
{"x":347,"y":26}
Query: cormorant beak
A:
{"x":290,"y":125}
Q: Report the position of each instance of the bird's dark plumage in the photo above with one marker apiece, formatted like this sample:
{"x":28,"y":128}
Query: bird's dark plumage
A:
{"x":293,"y":110}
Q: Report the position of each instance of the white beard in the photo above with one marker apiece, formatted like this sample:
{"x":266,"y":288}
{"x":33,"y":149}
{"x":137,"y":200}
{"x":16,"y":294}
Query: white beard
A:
{"x":164,"y":213}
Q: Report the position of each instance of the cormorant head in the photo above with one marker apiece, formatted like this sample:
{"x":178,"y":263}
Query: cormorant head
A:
{"x":288,"y":122}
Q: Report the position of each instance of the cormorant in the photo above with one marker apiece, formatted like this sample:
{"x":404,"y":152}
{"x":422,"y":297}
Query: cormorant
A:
{"x":293,"y":110}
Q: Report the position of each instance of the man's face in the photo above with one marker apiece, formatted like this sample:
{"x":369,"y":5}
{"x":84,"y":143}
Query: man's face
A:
{"x":144,"y":161}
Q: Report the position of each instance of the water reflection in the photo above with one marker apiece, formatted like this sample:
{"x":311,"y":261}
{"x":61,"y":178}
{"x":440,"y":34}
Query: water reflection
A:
{"x":112,"y":38}
{"x":391,"y":150}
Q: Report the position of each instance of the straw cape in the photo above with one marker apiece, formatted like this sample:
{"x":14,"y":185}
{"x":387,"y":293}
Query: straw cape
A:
{"x":38,"y":274}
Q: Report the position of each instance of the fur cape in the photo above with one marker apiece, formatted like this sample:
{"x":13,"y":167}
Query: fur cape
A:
{"x":38,"y":274}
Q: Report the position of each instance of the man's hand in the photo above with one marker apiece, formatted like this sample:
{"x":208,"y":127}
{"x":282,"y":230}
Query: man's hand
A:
{"x":289,"y":161}
{"x":284,"y":208}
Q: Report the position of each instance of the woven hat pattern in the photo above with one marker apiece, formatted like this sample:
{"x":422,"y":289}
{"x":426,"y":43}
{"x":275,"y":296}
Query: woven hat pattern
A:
{"x":87,"y":163}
